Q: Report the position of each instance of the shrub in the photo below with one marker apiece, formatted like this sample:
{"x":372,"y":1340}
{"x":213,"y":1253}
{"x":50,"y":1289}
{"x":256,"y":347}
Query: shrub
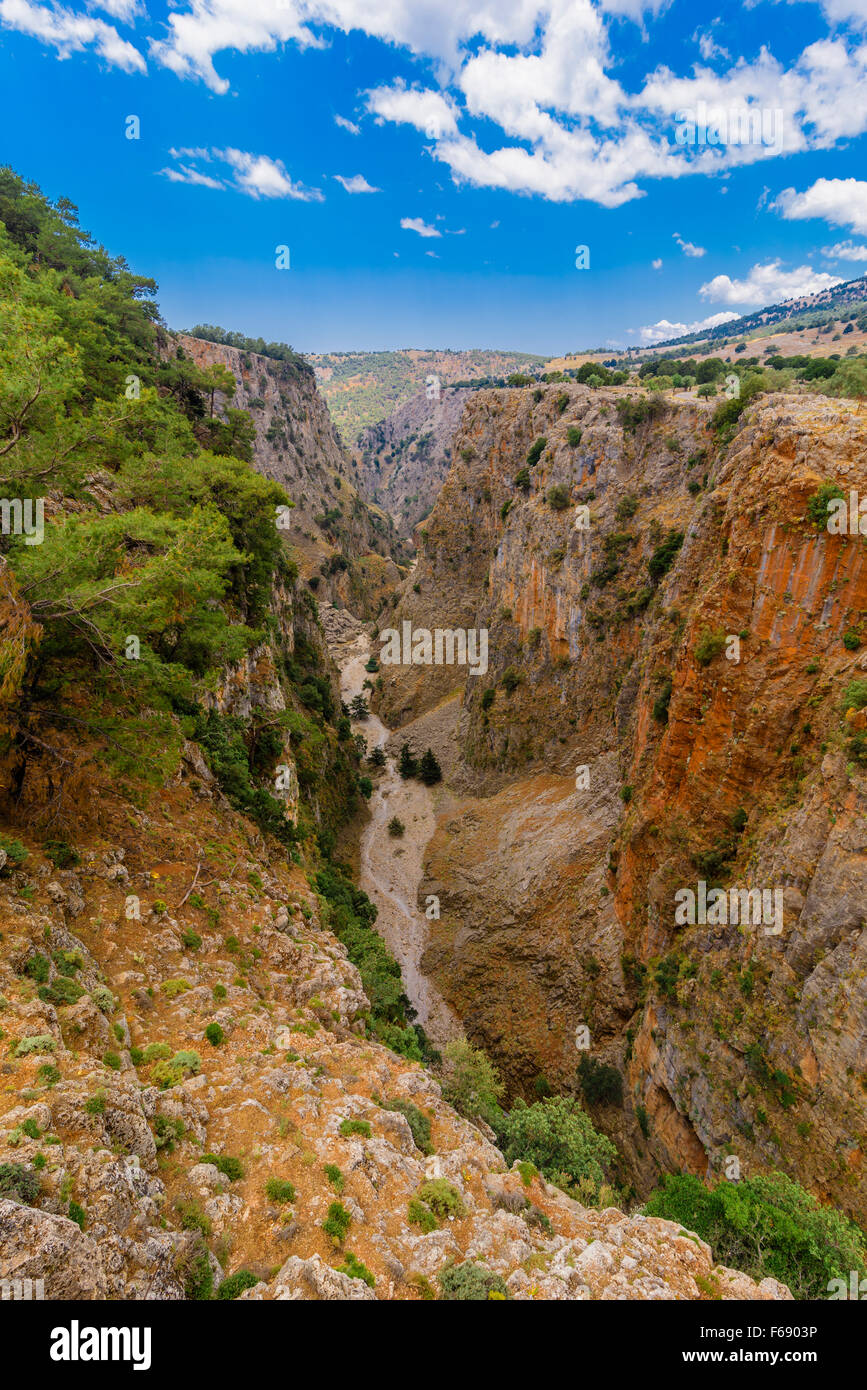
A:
{"x":626,"y":507}
{"x":231,"y":1168}
{"x":600,"y":1083}
{"x":429,"y":769}
{"x":219,"y":991}
{"x":30,"y":1128}
{"x":356,"y":1269}
{"x":767,"y":1226}
{"x":38,"y":1042}
{"x":407,"y":766}
{"x":167,"y":1131}
{"x":191,"y":940}
{"x":172,"y":988}
{"x":510,"y":680}
{"x":443,"y":1199}
{"x":573,"y":436}
{"x":192,"y":1216}
{"x":558,"y":1137}
{"x":522,"y":479}
{"x":215,"y":1034}
{"x":194,"y":1270}
{"x":535,"y":451}
{"x":334,"y":1176}
{"x":337,"y":1222}
{"x":95,"y":1105}
{"x":38,"y":967}
{"x":349,"y":1127}
{"x":236,"y":1283}
{"x":396,"y":828}
{"x":62,"y":991}
{"x":558,"y":497}
{"x":488,"y":697}
{"x":112,"y":1060}
{"x":470,"y":1082}
{"x":471,"y":1282}
{"x":662,"y":701}
{"x":709,"y":645}
{"x":77,"y":1214}
{"x":851,"y":641}
{"x":156,"y":1052}
{"x":62,"y":855}
{"x":817,"y":504}
{"x":417,"y":1214}
{"x":14,"y":851}
{"x":280,"y":1190}
{"x":48,"y":1074}
{"x":662,"y":558}
{"x":419,"y":1123}
{"x":18,"y":1183}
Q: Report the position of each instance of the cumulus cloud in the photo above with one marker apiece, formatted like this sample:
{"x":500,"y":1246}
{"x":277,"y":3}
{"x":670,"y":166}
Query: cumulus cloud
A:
{"x":257,"y":175}
{"x":768,"y":284}
{"x":357,"y":183}
{"x":842,"y":202}
{"x":845,"y":251}
{"x":657,"y":264}
{"x":663,"y":330}
{"x":530,"y":95}
{"x":69,"y":32}
{"x":415,"y":224}
{"x":688,"y":247}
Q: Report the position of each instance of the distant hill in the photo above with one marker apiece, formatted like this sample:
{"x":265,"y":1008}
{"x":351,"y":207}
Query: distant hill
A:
{"x":793,"y":315}
{"x":362,"y":388}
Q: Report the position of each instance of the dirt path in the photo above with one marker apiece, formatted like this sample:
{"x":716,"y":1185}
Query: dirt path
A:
{"x":390,"y":868}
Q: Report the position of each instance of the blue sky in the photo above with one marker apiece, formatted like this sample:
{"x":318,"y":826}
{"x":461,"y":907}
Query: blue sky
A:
{"x":432,"y":167}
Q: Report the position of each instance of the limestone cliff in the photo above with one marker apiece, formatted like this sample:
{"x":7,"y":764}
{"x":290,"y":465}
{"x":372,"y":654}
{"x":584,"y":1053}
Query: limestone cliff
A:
{"x":683,"y":640}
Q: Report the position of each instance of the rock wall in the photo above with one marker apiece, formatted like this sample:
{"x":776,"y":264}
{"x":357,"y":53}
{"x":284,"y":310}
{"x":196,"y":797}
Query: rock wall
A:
{"x":558,"y":887}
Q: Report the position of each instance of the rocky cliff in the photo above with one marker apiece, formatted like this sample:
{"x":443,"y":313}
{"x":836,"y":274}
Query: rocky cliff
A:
{"x":346,"y":546}
{"x":400,"y":463}
{"x":673,"y":646}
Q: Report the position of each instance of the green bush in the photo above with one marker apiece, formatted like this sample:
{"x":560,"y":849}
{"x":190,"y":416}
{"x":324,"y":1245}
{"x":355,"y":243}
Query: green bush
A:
{"x":709,"y":645}
{"x":231,"y":1168}
{"x":95,"y":1105}
{"x":510,"y":680}
{"x":280,"y":1190}
{"x":851,"y":641}
{"x":418,"y":1214}
{"x":418,"y":1122}
{"x":356,"y":1269}
{"x":573,"y":436}
{"x":215,"y":1034}
{"x":534,"y":453}
{"x":337,"y":1222}
{"x":600,"y":1083}
{"x":15,"y":853}
{"x":350,"y":1127}
{"x":558,"y":497}
{"x":77,"y":1214}
{"x":662,"y":701}
{"x":62,"y":855}
{"x":38,"y":967}
{"x":334,"y":1176}
{"x":767,"y":1226}
{"x":471,"y":1282}
{"x":236,"y":1283}
{"x":443,"y":1199}
{"x":662,"y":558}
{"x":38,"y":1042}
{"x":558,"y":1137}
{"x":192,"y":1216}
{"x":18,"y":1183}
{"x":522,"y":479}
{"x":470,"y":1082}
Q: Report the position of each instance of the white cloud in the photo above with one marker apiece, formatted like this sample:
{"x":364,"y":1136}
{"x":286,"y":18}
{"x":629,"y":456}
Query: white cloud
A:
{"x":842,"y":202}
{"x":845,"y":251}
{"x":531,"y":96}
{"x":263,"y":177}
{"x":663,"y":330}
{"x":688,"y":247}
{"x":357,"y":183}
{"x":257,"y":175}
{"x":185,"y":174}
{"x":415,"y":224}
{"x":71,"y":33}
{"x":421,"y":107}
{"x":768,"y":284}
{"x":433,"y":255}
{"x":657,"y":264}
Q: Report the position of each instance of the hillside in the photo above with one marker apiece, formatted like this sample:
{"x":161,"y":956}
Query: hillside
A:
{"x":361,"y":388}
